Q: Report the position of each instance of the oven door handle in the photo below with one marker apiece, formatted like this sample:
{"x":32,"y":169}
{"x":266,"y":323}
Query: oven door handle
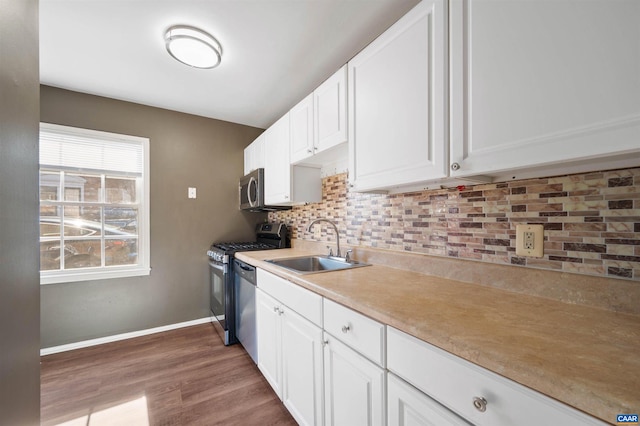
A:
{"x":218,"y":266}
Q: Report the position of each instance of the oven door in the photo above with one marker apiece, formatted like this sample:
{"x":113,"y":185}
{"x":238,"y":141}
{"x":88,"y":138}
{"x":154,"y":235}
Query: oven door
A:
{"x":222,"y":301}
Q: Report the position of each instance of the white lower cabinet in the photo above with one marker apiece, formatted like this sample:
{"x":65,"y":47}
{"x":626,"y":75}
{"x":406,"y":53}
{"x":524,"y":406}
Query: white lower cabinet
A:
{"x":335,"y":385}
{"x":269,"y":334}
{"x":410,"y":407}
{"x":354,"y":387}
{"x":474,"y":393}
{"x":357,"y":331}
{"x":327,"y":364}
{"x":302,"y":368}
{"x":290,"y":358}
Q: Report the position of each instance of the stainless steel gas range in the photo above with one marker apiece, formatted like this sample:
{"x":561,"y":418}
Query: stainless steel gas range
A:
{"x":223,"y":298}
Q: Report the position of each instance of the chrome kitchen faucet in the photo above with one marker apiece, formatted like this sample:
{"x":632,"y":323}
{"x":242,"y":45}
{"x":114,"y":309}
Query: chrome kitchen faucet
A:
{"x":335,"y":228}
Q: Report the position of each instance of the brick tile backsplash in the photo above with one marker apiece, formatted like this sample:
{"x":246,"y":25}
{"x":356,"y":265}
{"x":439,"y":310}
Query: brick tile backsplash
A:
{"x":591,"y":221}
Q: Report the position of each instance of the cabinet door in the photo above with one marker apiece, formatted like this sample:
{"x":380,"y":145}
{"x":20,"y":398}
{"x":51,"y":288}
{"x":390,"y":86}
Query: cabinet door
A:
{"x":302,"y":368}
{"x":248,"y":159}
{"x":542,"y":83}
{"x":354,"y":387}
{"x":269,"y":336}
{"x":258,"y":152}
{"x":254,"y":155}
{"x":277,"y":170}
{"x":301,"y":126}
{"x":330,"y":109}
{"x":410,"y":407}
{"x":398,"y":104}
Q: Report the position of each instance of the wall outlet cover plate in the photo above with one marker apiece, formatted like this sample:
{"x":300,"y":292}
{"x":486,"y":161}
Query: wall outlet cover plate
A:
{"x":530,"y":240}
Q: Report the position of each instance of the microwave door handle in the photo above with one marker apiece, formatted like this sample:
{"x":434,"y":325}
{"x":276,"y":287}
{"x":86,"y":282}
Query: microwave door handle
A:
{"x":252,"y":184}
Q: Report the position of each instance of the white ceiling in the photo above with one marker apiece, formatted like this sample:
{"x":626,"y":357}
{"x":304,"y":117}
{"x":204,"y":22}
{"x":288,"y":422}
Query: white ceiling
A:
{"x":275,"y":52}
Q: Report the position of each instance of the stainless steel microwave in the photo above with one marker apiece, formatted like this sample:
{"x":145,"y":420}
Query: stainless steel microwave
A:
{"x":251,"y":191}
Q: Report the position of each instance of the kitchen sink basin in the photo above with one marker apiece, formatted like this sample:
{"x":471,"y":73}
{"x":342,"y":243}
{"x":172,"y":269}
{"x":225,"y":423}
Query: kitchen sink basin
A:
{"x":315,"y":264}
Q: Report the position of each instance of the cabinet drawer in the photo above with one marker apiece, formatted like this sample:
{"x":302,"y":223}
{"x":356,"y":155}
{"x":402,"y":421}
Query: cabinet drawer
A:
{"x":455,"y":383}
{"x":305,"y":302}
{"x":409,"y":406}
{"x":356,"y":330}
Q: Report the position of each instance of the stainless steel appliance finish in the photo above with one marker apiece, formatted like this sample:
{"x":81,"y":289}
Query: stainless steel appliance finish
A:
{"x":222,"y":297}
{"x":245,"y":289}
{"x":316,"y":264}
{"x":251,"y":193}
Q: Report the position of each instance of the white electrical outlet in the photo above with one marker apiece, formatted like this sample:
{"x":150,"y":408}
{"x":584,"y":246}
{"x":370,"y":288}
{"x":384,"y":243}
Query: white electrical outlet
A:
{"x":530,"y":240}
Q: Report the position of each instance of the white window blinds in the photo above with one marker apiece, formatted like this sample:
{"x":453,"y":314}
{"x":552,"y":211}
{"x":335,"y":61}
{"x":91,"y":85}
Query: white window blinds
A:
{"x":98,"y":151}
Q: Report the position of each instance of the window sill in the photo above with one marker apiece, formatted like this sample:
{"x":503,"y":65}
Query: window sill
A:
{"x":84,"y":275}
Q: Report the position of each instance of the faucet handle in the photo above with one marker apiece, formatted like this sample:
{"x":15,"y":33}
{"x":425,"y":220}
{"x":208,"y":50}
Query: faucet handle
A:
{"x":330,"y":250}
{"x":347,"y":256}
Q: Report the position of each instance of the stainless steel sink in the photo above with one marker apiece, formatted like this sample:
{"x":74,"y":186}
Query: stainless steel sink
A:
{"x":315,"y":264}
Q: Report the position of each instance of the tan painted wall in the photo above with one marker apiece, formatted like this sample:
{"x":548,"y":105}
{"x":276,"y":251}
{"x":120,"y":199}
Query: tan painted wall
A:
{"x":185,"y":150}
{"x":19,"y":280}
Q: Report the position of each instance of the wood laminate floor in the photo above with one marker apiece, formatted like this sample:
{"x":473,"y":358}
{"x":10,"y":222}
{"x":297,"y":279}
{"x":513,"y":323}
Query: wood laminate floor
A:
{"x":179,"y":377}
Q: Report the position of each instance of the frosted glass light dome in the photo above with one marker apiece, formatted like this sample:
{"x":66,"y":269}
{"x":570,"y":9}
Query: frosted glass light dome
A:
{"x":193,"y":47}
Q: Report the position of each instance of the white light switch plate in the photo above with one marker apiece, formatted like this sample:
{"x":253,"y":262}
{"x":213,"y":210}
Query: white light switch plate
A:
{"x":192,"y":193}
{"x":530,"y":240}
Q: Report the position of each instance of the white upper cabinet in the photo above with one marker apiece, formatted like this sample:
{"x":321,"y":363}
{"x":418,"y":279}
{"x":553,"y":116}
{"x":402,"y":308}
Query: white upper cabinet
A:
{"x":254,"y":155}
{"x":277,"y":171}
{"x":285,"y":184}
{"x":398,"y":103}
{"x":543,"y":85}
{"x":330,"y":111}
{"x":319,"y":123}
{"x":495,"y":90}
{"x":301,"y":126}
{"x":248,"y":160}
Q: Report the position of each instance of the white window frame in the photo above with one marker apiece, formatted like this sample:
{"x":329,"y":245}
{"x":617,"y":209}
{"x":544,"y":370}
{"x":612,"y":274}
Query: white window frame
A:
{"x":106,"y":272}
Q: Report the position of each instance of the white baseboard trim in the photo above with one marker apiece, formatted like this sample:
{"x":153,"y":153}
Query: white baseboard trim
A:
{"x":123,"y":336}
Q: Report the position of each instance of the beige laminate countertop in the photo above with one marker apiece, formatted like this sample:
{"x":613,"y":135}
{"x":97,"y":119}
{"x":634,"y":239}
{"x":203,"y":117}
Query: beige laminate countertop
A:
{"x":586,"y":357}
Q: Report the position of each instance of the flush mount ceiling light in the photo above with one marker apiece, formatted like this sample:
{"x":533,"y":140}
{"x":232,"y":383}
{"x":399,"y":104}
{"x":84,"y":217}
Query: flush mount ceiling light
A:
{"x":193,"y":47}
